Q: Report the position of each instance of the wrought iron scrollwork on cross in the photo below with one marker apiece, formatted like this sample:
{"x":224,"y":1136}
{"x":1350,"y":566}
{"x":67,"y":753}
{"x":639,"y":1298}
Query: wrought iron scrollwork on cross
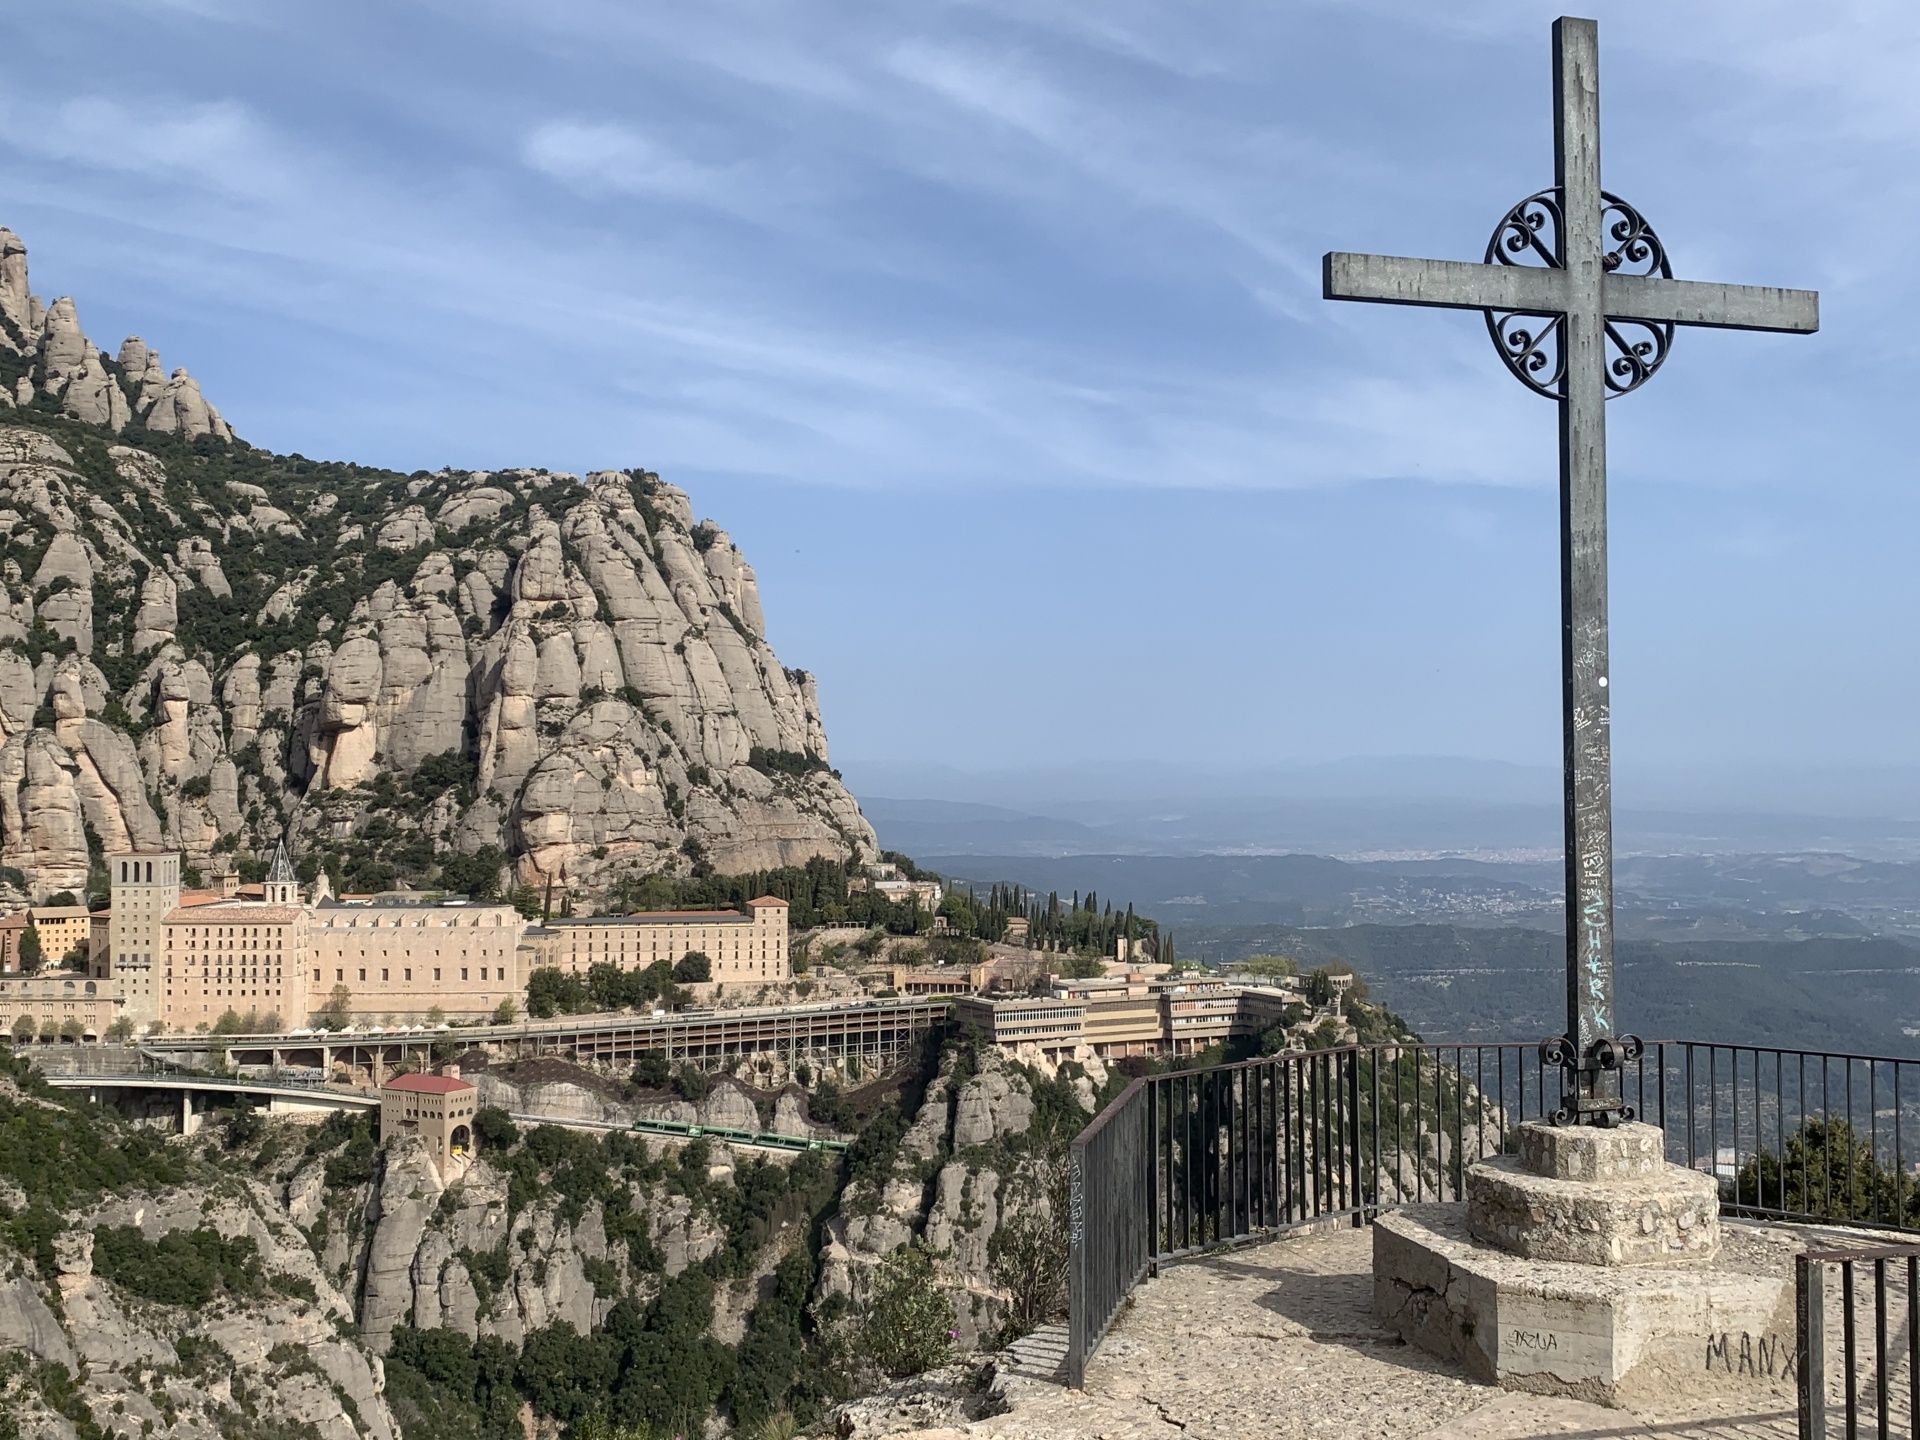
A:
{"x":1532,"y":345}
{"x":1578,"y":1073}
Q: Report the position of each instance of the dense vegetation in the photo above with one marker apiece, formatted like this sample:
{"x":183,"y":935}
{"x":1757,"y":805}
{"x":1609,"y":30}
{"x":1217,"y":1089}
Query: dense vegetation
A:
{"x":653,"y":1367}
{"x":182,"y":1267}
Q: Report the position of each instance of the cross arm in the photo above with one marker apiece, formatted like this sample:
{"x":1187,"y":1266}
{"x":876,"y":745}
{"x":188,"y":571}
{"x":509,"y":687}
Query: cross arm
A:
{"x":1701,"y":302}
{"x":1454,"y":284}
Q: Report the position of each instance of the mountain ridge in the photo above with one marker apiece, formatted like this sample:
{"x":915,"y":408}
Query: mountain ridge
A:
{"x":205,"y":646}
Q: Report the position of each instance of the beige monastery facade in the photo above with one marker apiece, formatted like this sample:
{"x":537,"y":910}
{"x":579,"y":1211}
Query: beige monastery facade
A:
{"x":181,"y":960}
{"x":749,"y":947}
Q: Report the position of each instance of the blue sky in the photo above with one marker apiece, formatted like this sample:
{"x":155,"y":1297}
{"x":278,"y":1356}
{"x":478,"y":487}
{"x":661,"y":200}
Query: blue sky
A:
{"x":992,"y":332}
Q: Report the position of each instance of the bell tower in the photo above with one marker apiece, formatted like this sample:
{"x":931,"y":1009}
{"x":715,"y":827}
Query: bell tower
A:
{"x":283,"y":886}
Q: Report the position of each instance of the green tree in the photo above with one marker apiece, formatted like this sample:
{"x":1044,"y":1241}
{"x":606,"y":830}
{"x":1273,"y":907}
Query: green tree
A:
{"x":504,"y":1012}
{"x":494,"y":1128}
{"x":477,"y":875}
{"x":23,"y":1029}
{"x":31,"y":955}
{"x":337,"y":1012}
{"x":244,"y":1124}
{"x":1028,"y":1253}
{"x":692,"y":1083}
{"x":908,"y":1324}
{"x":652,"y":1072}
{"x":694,"y":969}
{"x":1829,"y":1170}
{"x":121,"y":1030}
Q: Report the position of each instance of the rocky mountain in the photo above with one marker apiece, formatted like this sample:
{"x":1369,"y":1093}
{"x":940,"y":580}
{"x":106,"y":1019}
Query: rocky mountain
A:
{"x":283,"y":1279}
{"x":204,"y":645}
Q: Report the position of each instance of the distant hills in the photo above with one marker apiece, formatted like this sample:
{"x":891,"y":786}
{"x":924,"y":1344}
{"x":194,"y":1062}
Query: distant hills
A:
{"x":1857,"y":995}
{"x":1688,"y":897}
{"x":1815,"y":951}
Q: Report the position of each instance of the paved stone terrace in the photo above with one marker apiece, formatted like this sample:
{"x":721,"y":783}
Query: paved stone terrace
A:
{"x":1278,"y":1340}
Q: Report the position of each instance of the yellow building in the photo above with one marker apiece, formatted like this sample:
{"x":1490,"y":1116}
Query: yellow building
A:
{"x":62,"y":929}
{"x":749,"y":946}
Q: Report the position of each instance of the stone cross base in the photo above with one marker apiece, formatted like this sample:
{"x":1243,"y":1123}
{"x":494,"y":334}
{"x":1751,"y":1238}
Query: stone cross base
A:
{"x":1612,"y":1335}
{"x":1594,"y":1197}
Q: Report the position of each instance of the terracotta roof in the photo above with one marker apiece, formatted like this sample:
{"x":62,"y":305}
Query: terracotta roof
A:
{"x":237,"y":912}
{"x":767,"y":900}
{"x":427,"y":1084}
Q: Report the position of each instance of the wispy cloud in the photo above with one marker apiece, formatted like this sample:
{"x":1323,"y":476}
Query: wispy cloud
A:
{"x":602,"y":158}
{"x":219,"y":145}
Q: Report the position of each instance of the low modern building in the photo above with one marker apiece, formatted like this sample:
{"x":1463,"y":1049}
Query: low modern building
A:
{"x":1053,"y":1025}
{"x":1121,"y":1017}
{"x":742,"y":945}
{"x":437,"y":1108}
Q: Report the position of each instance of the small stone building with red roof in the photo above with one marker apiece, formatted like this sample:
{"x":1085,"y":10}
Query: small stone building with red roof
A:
{"x":437,"y":1108}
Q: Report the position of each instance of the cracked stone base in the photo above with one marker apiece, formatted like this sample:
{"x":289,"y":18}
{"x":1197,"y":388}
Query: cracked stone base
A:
{"x":1611,"y":1335}
{"x":1670,"y":1216}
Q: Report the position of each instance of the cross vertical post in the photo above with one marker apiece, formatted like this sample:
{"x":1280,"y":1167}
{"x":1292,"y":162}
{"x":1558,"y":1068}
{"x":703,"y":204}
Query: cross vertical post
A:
{"x":1588,"y":772}
{"x":1581,"y":305}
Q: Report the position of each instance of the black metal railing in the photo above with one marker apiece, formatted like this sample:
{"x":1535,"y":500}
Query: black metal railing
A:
{"x":1193,"y":1160}
{"x":1885,"y":1381}
{"x":1801,"y":1134}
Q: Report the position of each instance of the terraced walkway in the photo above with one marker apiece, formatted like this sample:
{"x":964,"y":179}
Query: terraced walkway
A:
{"x":1279,"y":1341}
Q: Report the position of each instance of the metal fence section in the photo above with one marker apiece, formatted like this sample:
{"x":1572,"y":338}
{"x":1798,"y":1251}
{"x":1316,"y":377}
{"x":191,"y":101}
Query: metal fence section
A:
{"x":1877,"y":1308}
{"x":1110,"y":1220}
{"x":1800,"y":1134}
{"x":1192,"y":1160}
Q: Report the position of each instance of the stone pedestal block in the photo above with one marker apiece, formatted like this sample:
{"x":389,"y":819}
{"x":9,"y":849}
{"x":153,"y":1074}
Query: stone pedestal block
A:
{"x":1669,"y":1217}
{"x":1610,"y":1335}
{"x":1586,"y":1152}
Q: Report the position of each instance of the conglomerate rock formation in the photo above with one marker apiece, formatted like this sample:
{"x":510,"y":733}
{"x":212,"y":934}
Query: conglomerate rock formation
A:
{"x":202,"y":644}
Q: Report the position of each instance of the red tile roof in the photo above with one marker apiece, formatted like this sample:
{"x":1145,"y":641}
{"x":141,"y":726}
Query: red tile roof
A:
{"x":427,"y":1084}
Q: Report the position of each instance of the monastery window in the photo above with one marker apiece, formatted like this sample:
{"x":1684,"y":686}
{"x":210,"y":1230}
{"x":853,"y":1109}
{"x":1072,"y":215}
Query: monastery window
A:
{"x":363,"y":973}
{"x":384,"y":975}
{"x":463,"y":972}
{"x":339,"y":975}
{"x":436,"y":972}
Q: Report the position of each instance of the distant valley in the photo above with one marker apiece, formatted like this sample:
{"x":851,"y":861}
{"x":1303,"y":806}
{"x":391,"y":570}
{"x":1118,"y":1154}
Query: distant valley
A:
{"x":1817,"y":950}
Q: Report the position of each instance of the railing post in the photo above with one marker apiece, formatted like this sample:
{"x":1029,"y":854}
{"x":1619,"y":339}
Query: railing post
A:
{"x":1077,"y":1317}
{"x":1151,"y":1160}
{"x":1810,"y":1347}
{"x":1353,"y":1143}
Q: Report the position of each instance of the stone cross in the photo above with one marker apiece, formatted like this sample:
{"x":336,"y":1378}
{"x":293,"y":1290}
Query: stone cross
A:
{"x":1582,"y":305}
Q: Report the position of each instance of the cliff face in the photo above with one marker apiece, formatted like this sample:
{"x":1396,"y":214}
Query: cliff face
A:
{"x":984,"y":1155}
{"x":202,"y":643}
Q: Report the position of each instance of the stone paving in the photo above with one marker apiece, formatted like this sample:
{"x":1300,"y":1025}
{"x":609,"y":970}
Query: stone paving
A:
{"x":1278,"y":1340}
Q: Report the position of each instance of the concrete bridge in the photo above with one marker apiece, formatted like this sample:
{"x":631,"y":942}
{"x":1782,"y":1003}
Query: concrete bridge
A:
{"x":198,"y":1092}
